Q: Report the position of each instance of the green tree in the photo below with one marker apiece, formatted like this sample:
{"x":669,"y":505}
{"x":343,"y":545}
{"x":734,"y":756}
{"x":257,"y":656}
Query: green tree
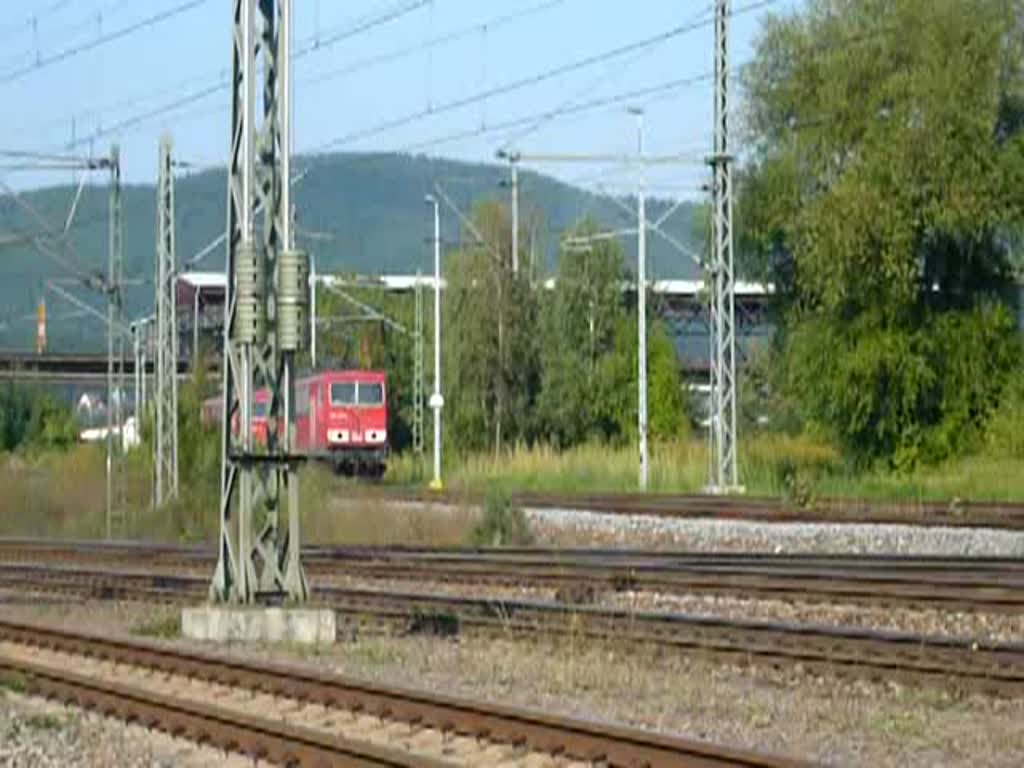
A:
{"x":885,"y":179}
{"x":34,"y":419}
{"x":667,"y":411}
{"x":579,"y":318}
{"x":51,"y":424}
{"x":490,"y":338}
{"x":15,"y":412}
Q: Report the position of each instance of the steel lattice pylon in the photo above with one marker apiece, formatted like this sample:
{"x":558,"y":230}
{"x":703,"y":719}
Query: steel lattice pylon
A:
{"x":116,"y":501}
{"x":724,"y":474}
{"x":267,"y":299}
{"x":165,"y":446}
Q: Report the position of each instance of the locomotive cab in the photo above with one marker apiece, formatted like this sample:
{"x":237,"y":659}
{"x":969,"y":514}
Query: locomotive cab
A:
{"x":355,"y":427}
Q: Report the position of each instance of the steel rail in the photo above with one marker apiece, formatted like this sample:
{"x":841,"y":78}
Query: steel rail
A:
{"x":936,"y":590}
{"x":966,"y":584}
{"x":608,"y":744}
{"x":282,"y":743}
{"x":148,"y":549}
{"x":961,"y":663}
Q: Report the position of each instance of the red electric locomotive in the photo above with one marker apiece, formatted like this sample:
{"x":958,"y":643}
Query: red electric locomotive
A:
{"x":340,"y":417}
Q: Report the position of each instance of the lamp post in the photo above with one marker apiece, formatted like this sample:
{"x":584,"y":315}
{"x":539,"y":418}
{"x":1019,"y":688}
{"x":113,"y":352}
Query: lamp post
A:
{"x":312,"y":312}
{"x":436,"y":400}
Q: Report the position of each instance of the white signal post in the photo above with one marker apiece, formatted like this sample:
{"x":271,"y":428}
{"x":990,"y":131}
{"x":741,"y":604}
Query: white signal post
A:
{"x":436,"y":400}
{"x":641,"y":298}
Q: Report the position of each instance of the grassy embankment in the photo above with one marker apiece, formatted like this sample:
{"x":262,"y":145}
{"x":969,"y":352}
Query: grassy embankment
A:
{"x":62,"y":493}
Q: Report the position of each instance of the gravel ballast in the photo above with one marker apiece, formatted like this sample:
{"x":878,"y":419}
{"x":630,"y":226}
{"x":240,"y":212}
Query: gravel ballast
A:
{"x":40,"y":733}
{"x":582,"y":528}
{"x":570,"y":527}
{"x":995,"y":627}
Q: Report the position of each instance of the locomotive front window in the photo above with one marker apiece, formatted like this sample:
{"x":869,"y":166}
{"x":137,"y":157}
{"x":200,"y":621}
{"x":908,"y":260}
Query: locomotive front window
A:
{"x":259,"y":410}
{"x":371,"y":393}
{"x":343,"y":393}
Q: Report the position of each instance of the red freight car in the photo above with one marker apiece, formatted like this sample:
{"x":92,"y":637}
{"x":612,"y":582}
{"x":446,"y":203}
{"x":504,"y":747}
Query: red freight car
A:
{"x":340,"y":417}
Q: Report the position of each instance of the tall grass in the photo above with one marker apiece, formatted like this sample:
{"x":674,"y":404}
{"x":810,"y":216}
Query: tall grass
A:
{"x":338,"y":511}
{"x":801,"y":468}
{"x":55,"y":493}
{"x":978,"y":478}
{"x":679,"y":467}
{"x":62,"y":493}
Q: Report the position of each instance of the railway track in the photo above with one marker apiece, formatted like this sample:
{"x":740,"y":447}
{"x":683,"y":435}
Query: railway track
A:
{"x":954,"y":512}
{"x":962,"y":584}
{"x":295,"y":716}
{"x":953,"y":663}
{"x":991,"y":586}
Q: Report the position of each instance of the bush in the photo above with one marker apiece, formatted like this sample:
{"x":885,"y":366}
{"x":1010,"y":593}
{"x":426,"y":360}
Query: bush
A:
{"x":763,"y":404}
{"x":51,"y":424}
{"x":502,"y":524}
{"x":900,"y":394}
{"x":1005,"y":435}
{"x":796,"y":482}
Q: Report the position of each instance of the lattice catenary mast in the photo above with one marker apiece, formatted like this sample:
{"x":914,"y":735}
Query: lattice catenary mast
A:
{"x":724,"y":475}
{"x":114,"y":287}
{"x":267,"y":300}
{"x":165,"y":445}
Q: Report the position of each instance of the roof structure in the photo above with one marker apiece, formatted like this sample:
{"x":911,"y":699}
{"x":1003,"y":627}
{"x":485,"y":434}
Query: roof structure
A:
{"x":398,"y":283}
{"x":203,"y":280}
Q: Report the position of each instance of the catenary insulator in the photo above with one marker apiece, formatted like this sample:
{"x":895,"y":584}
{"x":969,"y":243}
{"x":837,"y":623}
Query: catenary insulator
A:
{"x":292,"y":299}
{"x":250,"y":316}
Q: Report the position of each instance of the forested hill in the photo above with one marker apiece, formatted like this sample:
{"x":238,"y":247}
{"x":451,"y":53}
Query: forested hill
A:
{"x":359,"y":213}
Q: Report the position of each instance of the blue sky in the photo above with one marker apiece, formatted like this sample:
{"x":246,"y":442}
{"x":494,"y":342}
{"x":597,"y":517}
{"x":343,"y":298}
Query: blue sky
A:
{"x":341,"y":92}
